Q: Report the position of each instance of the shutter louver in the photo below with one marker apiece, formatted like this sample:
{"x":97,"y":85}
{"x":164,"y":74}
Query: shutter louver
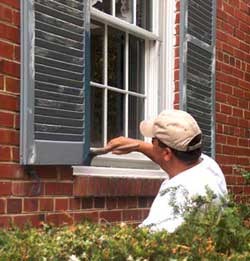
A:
{"x":197,"y":77}
{"x":54,"y":81}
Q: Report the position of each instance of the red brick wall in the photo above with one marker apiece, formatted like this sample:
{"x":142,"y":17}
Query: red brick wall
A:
{"x":50,"y":196}
{"x":233,"y":91}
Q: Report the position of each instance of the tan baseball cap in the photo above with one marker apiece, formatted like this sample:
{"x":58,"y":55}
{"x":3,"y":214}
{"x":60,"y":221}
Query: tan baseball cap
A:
{"x":175,"y":128}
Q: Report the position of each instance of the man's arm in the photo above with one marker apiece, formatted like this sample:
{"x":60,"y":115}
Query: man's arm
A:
{"x":121,"y":145}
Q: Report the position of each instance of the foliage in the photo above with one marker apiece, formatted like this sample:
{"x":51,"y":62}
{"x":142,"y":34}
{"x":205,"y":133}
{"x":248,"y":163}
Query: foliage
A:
{"x":244,"y":173}
{"x":211,"y":232}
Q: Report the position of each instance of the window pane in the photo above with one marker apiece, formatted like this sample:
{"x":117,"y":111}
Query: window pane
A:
{"x":115,"y":114}
{"x":103,"y":5}
{"x":124,"y":10}
{"x":96,"y":119}
{"x":136,"y":64}
{"x":136,"y":115}
{"x":97,"y":43}
{"x":144,"y":14}
{"x":116,"y":58}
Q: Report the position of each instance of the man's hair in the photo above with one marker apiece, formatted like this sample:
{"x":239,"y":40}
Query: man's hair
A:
{"x":189,"y":157}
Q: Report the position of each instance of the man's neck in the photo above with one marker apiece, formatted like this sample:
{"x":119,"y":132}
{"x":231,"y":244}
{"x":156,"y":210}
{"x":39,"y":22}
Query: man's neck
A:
{"x":178,"y":167}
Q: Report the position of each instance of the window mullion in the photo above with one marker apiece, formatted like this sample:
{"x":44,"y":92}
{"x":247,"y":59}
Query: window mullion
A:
{"x":105,"y":94}
{"x":113,"y":7}
{"x":134,"y":11}
{"x":126,"y":82}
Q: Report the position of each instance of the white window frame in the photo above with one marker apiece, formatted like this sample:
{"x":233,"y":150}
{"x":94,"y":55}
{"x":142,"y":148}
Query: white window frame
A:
{"x":158,"y":79}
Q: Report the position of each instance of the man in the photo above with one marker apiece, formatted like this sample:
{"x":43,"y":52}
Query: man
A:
{"x":176,"y":148}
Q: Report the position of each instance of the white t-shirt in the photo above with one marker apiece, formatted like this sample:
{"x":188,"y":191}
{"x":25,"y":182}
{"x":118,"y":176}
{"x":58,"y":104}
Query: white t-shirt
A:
{"x":194,"y":181}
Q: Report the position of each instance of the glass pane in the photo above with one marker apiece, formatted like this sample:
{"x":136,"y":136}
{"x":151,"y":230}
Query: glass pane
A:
{"x":115,"y":114}
{"x":135,"y":116}
{"x":144,"y":14}
{"x":97,"y":52}
{"x":103,"y":5}
{"x":116,"y":58}
{"x":136,"y":64}
{"x":96,"y":117}
{"x":124,"y":10}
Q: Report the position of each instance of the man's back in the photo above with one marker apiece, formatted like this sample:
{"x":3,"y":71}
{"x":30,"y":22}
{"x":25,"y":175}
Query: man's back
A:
{"x":181,"y":189}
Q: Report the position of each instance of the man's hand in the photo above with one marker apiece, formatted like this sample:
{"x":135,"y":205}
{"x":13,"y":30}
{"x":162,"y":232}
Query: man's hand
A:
{"x":122,"y":145}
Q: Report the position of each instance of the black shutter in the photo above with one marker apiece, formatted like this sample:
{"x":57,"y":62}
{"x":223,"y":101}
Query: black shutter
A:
{"x":55,"y":39}
{"x":197,"y":65}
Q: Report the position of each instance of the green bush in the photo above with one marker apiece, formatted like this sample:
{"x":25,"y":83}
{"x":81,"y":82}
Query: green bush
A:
{"x":209,"y":233}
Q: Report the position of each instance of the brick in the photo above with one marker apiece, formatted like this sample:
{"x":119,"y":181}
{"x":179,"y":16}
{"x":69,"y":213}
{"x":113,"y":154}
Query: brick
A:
{"x":221,"y":138}
{"x":66,"y":173}
{"x":55,"y":188}
{"x":111,"y":203}
{"x":6,"y":119}
{"x":46,"y":204}
{"x":99,"y":202}
{"x":9,"y":137}
{"x":131,"y":215}
{"x":5,"y":188}
{"x":86,"y":216}
{"x":132,"y":202}
{"x":87,"y":203}
{"x":16,"y":18}
{"x":232,"y":140}
{"x":228,"y":9}
{"x":14,"y":206}
{"x":142,"y":202}
{"x":30,"y":220}
{"x":2,"y":206}
{"x":59,"y":219}
{"x":122,"y":203}
{"x":10,"y":68}
{"x":237,"y":112}
{"x":61,"y":204}
{"x":10,"y":33}
{"x":233,"y":121}
{"x":1,"y":82}
{"x":47,"y":172}
{"x":232,"y":100}
{"x":17,"y":121}
{"x":226,"y":109}
{"x":9,"y":102}
{"x":30,"y":204}
{"x":12,"y":85}
{"x":5,"y":221}
{"x":5,"y":153}
{"x":5,"y":14}
{"x":111,"y":216}
{"x":6,"y":50}
{"x":12,"y":3}
{"x":17,"y":53}
{"x":27,"y":188}
{"x":75,"y":203}
{"x":13,"y":171}
{"x":144,"y":213}
{"x":15,"y":154}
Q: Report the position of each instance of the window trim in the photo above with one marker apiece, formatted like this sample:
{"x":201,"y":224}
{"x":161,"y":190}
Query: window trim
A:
{"x":164,"y":73}
{"x":120,"y":24}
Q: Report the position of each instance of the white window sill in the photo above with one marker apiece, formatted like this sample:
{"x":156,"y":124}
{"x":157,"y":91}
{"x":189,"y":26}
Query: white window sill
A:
{"x":118,"y":172}
{"x":133,"y":165}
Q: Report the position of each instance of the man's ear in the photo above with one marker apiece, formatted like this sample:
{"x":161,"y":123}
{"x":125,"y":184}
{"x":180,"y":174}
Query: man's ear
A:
{"x":167,"y":154}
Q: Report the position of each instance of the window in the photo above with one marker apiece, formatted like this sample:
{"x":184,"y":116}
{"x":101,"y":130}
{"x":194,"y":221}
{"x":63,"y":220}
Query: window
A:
{"x":118,"y":94}
{"x":131,"y":77}
{"x":125,"y":72}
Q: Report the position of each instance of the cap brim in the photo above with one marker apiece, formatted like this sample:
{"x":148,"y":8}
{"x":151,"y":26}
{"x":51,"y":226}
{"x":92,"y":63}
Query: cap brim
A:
{"x":146,"y":128}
